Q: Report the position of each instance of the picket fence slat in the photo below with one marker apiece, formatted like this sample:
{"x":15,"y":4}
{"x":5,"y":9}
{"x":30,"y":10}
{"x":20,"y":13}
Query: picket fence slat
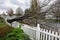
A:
{"x":49,"y":35}
{"x":55,"y":37}
{"x":44,"y":35}
{"x":59,"y":35}
{"x":41,"y":36}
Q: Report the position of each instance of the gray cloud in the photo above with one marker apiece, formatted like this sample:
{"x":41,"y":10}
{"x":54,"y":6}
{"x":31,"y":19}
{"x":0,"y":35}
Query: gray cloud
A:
{"x":20,"y":4}
{"x":2,"y":7}
{"x":15,"y":2}
{"x":24,"y":4}
{"x":2,"y":1}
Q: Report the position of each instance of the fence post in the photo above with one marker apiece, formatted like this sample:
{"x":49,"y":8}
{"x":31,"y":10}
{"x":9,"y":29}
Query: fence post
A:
{"x":56,"y":34}
{"x":52,"y":36}
{"x":38,"y":32}
{"x":44,"y":35}
{"x":59,"y":36}
{"x":49,"y":35}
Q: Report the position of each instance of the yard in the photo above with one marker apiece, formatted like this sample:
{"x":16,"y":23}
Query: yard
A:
{"x":9,"y":33}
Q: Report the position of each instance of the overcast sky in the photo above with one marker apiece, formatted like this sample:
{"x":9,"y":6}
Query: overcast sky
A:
{"x":5,"y":4}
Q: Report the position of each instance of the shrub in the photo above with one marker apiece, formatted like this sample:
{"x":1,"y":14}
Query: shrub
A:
{"x":17,"y":34}
{"x":10,"y":33}
{"x":2,"y":22}
{"x":4,"y":30}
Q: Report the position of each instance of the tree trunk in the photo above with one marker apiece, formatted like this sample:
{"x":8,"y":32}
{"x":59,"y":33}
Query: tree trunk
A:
{"x":36,"y":22}
{"x":57,"y":19}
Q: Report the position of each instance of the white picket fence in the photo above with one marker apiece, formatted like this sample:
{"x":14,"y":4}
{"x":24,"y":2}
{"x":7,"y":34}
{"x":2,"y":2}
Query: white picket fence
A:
{"x":40,"y":34}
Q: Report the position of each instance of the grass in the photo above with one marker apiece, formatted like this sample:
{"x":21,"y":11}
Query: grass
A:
{"x":50,"y":20}
{"x":53,"y":21}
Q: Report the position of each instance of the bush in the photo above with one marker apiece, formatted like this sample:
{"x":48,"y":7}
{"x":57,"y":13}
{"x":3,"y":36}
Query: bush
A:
{"x":4,"y":30}
{"x":2,"y":22}
{"x":10,"y":33}
{"x":17,"y":34}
